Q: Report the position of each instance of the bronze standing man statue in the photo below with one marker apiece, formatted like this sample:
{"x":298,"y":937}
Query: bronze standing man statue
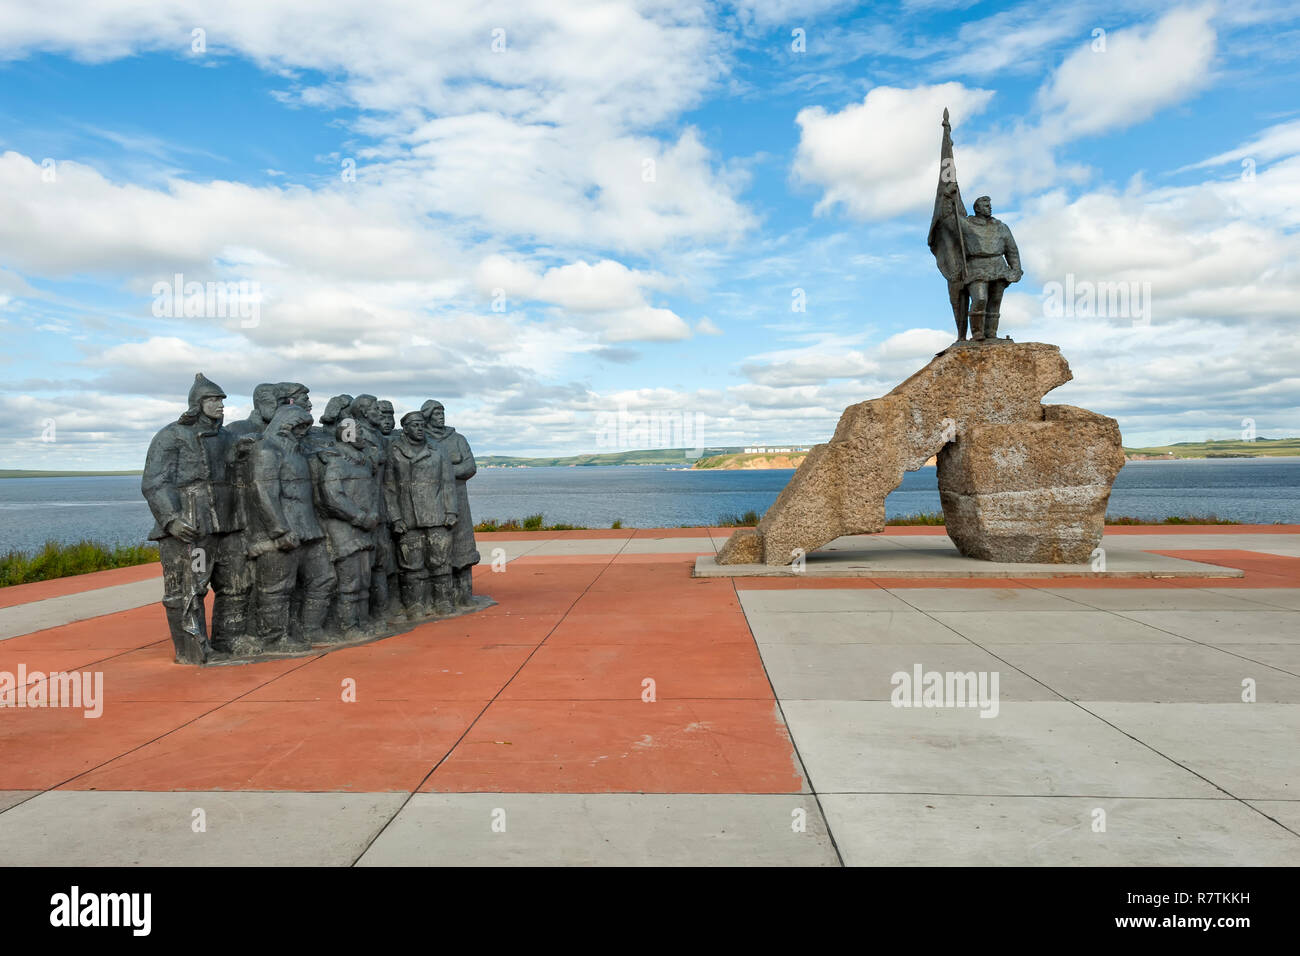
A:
{"x":464,"y":554}
{"x":198,"y":526}
{"x":976,"y":254}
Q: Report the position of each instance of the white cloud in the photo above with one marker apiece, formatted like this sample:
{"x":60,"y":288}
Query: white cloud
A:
{"x":1140,"y":71}
{"x":880,"y":157}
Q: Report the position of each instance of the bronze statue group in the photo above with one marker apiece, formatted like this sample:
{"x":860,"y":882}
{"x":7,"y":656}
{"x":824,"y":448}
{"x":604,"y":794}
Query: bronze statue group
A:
{"x":302,"y":529}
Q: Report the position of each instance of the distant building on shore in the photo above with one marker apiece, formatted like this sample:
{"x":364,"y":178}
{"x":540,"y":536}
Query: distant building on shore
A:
{"x":775,"y":450}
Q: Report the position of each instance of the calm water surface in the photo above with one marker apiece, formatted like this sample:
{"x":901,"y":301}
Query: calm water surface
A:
{"x":110,"y":509}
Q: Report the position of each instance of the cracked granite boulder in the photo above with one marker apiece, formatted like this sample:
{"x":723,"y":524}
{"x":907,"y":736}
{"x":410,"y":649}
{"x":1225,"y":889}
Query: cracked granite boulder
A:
{"x":1031,"y":491}
{"x":840,"y":488}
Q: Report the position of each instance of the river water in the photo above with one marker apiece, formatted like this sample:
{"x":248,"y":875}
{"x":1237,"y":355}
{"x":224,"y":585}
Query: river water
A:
{"x":110,"y":509}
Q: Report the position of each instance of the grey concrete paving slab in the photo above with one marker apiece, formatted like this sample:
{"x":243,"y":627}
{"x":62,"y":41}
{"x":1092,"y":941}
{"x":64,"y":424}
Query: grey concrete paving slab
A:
{"x":1285,"y":812}
{"x":1052,"y":627}
{"x":985,"y":599}
{"x":866,"y":543}
{"x":1244,"y":541}
{"x":1031,"y":748}
{"x":1266,"y":597}
{"x":1225,"y":627}
{"x":57,"y":611}
{"x":1158,"y":599}
{"x":930,"y":830}
{"x":128,"y":828}
{"x":866,"y":671}
{"x":505,"y":550}
{"x":1250,"y":750}
{"x":670,"y":546}
{"x":1164,"y":673}
{"x":1285,"y":657}
{"x":849,"y":627}
{"x":817,"y":600}
{"x":604,"y":830}
{"x":570,"y":546}
{"x":904,"y":558}
{"x":10,"y":797}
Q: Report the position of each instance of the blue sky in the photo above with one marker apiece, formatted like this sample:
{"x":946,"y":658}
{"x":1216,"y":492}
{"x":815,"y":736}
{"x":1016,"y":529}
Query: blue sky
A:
{"x":504,"y":247}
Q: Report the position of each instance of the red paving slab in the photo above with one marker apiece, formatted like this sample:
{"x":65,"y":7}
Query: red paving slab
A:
{"x":421,"y":670}
{"x":41,"y":590}
{"x":487,"y":537}
{"x":698,"y":746}
{"x":317,"y":746}
{"x":558,"y":560}
{"x":573,"y":671}
{"x":683,"y":629}
{"x":42,"y":748}
{"x":124,"y":630}
{"x":36,"y":659}
{"x":558,"y":665}
{"x":151,"y":675}
{"x":1262,"y":570}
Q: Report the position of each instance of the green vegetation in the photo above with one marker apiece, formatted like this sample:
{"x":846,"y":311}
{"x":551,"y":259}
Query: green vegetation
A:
{"x":618,"y":523}
{"x":748,"y":520}
{"x":64,"y":560}
{"x":23,"y":473}
{"x":535,"y":522}
{"x":1226,"y":448}
{"x":927,"y":518}
{"x":1172,"y":519}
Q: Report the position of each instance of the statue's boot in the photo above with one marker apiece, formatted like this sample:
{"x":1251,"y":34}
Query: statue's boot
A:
{"x":410,"y":588}
{"x":463,"y":586}
{"x":189,"y":638}
{"x":442,"y":594}
{"x":314,"y":611}
{"x":976,"y":326}
{"x":273,"y":624}
{"x":229,"y":621}
{"x":991,"y":325}
{"x":351,"y":618}
{"x":378,"y":610}
{"x":425,"y":604}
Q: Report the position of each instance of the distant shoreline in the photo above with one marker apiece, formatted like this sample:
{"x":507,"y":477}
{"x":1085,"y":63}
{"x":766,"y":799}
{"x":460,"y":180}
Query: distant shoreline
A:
{"x":24,"y":473}
{"x":677,"y":459}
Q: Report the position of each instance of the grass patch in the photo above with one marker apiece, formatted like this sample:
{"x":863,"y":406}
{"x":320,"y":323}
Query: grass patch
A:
{"x":749,"y":519}
{"x":1171,"y":519}
{"x":65,"y":560}
{"x":929,"y":518}
{"x":535,"y":522}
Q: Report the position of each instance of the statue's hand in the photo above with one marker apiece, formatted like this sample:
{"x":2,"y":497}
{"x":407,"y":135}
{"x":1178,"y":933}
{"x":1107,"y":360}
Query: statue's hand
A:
{"x":1017,"y":273}
{"x":399,"y":527}
{"x":180,"y":529}
{"x":244,"y":446}
{"x":287,"y":541}
{"x":369,"y":522}
{"x":451,"y":521}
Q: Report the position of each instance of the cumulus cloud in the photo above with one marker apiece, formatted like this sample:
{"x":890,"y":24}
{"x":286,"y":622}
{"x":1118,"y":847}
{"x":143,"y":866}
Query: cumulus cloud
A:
{"x":880,"y":157}
{"x":1138,"y":71}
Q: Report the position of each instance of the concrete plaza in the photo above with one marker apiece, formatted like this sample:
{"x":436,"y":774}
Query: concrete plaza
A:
{"x":614,"y":709}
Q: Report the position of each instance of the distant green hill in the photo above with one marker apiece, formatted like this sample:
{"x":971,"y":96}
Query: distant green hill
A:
{"x":22,"y":473}
{"x":653,"y":456}
{"x":1226,"y":448}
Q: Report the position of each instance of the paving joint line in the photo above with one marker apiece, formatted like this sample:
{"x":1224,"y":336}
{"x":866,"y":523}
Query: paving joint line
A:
{"x":167,"y":733}
{"x":1120,"y":730}
{"x":479,"y":716}
{"x":812,"y":788}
